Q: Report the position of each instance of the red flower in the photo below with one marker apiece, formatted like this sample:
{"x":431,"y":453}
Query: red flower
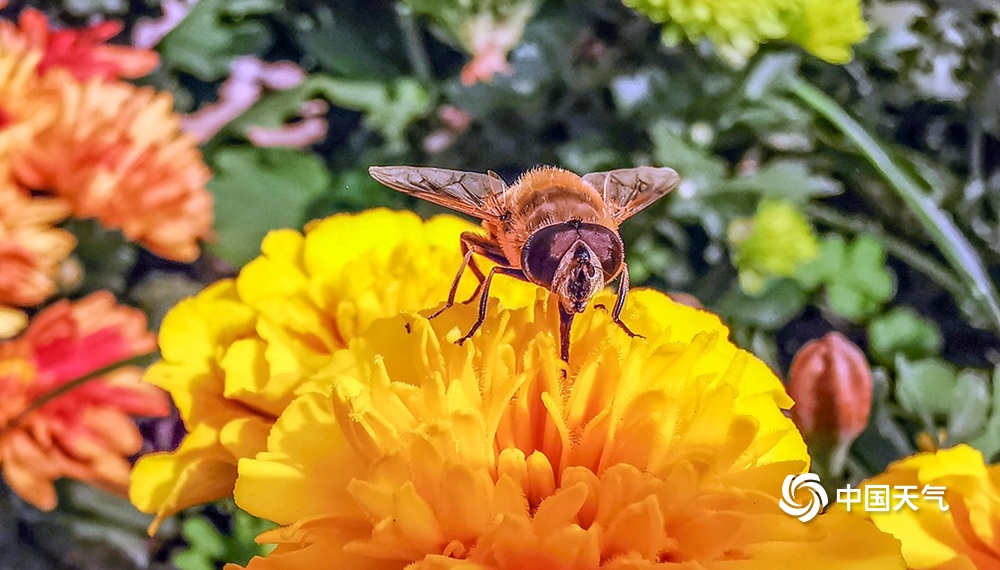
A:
{"x":85,"y":433}
{"x":83,"y":52}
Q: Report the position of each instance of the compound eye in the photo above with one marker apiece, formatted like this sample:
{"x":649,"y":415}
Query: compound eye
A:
{"x":543,"y":251}
{"x":606,"y":245}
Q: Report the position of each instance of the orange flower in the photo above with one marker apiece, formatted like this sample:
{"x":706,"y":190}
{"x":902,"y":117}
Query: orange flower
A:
{"x":116,"y":152}
{"x":85,"y":433}
{"x":113,"y":151}
{"x":663,"y":452}
{"x":81,"y":52}
{"x":31,"y":249}
{"x":20,"y":114}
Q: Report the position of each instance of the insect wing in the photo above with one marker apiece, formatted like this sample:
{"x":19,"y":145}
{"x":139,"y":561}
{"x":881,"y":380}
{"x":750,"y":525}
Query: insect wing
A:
{"x":465,"y":192}
{"x":628,"y":190}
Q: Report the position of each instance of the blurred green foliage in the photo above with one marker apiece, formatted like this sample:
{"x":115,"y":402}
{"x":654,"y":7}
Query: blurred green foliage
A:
{"x":207,"y":543}
{"x":593,"y":87}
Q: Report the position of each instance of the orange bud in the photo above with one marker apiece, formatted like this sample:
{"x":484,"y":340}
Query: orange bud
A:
{"x":831,"y":384}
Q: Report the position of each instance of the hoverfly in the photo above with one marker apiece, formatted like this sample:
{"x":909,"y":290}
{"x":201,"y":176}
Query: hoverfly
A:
{"x":551,"y":228}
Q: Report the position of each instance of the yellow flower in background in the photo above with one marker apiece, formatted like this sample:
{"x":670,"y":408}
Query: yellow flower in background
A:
{"x":967,"y":534}
{"x":772,"y":244}
{"x":828,"y":29}
{"x":235,"y":354}
{"x":423,"y":454}
{"x":31,"y":249}
{"x":737,"y":27}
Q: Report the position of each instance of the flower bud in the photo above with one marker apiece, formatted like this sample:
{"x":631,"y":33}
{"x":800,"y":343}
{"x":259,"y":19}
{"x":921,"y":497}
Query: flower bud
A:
{"x":831,"y":384}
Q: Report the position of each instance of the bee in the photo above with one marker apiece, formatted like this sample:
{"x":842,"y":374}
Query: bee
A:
{"x":552,"y":228}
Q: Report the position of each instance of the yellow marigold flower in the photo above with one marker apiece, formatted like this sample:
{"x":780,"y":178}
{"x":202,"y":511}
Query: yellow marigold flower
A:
{"x":116,"y":152}
{"x":87,"y":433}
{"x":234,"y":355}
{"x":967,"y":534}
{"x":31,"y":249}
{"x":424,"y":454}
{"x":773,"y":244}
{"x":737,"y":27}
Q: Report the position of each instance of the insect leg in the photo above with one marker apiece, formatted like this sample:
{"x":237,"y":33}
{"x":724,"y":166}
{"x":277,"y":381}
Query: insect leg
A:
{"x":485,"y":248}
{"x":616,"y":313}
{"x":466,"y":260}
{"x":484,"y":298}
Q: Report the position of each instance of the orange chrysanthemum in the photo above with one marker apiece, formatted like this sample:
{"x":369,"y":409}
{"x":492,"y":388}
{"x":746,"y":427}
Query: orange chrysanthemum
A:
{"x":664,"y":452}
{"x":116,"y":152}
{"x":85,"y":433}
{"x":81,"y":52}
{"x":31,"y":249}
{"x":111,"y":150}
{"x":21,"y":115}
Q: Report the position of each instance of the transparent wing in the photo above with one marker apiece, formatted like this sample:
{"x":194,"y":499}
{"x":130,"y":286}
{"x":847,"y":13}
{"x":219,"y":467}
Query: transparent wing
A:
{"x":628,"y":190}
{"x":465,"y":192}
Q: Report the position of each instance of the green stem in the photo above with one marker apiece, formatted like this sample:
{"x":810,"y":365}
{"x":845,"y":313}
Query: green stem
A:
{"x":895,"y":246}
{"x":414,"y":44}
{"x":936,"y":222}
{"x":69,"y":386}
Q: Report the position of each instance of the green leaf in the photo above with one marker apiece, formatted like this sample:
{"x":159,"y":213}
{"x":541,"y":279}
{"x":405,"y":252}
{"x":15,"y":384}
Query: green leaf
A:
{"x":788,"y":180}
{"x":243,"y":546}
{"x":389,"y":107}
{"x":857,"y":282}
{"x":204,"y":537}
{"x":213,"y":33}
{"x":257,"y":190}
{"x":970,"y":404}
{"x":825,"y":266}
{"x":925,"y":387}
{"x":192,"y":560}
{"x":989,"y":440}
{"x":903,"y":331}
{"x":353,"y":41}
{"x":772,"y":308}
{"x":694,"y":164}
